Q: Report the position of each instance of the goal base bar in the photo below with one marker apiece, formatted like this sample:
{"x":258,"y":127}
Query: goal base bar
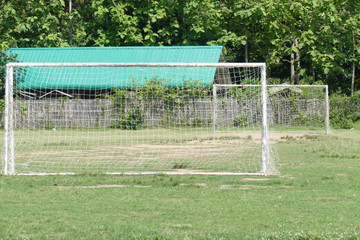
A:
{"x":152,"y":173}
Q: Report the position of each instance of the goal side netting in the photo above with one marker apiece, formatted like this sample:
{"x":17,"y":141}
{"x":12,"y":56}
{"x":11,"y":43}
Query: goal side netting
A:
{"x":138,"y":118}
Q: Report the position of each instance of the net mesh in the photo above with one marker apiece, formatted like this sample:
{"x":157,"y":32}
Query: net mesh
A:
{"x":137,"y":119}
{"x":298,"y":108}
{"x":134,"y":120}
{"x":153,"y":119}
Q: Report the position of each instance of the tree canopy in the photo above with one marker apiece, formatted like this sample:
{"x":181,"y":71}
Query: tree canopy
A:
{"x":305,"y":41}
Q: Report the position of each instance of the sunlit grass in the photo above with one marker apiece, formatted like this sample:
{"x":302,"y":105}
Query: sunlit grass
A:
{"x":317,"y":196}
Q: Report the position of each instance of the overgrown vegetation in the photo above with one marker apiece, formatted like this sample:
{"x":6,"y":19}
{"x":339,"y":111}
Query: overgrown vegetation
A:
{"x":241,"y":120}
{"x":133,"y":119}
{"x":344,"y":110}
{"x":159,"y":95}
{"x":4,"y":59}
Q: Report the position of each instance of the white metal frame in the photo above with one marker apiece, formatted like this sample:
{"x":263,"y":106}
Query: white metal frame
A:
{"x":9,"y":160}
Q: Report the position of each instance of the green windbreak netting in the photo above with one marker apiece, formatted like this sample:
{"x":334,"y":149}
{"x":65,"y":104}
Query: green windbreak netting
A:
{"x":108,"y":78}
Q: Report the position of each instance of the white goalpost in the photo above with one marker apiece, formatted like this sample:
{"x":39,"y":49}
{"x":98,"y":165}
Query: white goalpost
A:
{"x":146,"y":118}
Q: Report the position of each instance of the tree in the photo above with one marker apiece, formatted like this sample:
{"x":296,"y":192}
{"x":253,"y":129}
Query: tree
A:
{"x":350,"y":35}
{"x":36,"y":23}
{"x":306,"y":29}
{"x":5,"y":57}
{"x":307,"y":40}
{"x":240,"y":28}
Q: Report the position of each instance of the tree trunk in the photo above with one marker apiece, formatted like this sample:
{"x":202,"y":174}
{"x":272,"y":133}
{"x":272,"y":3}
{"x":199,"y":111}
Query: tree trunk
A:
{"x":292,"y":69}
{"x":297,"y":59}
{"x":70,"y":23}
{"x":313,"y":76}
{"x":246,"y":50}
{"x":353,"y":78}
{"x":294,"y":58}
{"x":353,"y":65}
{"x":246,"y":38}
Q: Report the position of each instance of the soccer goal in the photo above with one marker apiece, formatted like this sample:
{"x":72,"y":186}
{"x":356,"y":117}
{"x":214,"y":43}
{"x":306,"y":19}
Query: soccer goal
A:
{"x":298,"y":108}
{"x":137,"y":118}
{"x":290,"y":108}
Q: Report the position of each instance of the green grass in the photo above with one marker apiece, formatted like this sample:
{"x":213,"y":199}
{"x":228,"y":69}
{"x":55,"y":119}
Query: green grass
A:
{"x":317,"y":196}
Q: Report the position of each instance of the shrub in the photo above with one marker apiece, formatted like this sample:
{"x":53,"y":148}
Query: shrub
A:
{"x":241,"y":120}
{"x":344,"y":110}
{"x":5,"y":57}
{"x":132,"y":120}
{"x":129,"y":102}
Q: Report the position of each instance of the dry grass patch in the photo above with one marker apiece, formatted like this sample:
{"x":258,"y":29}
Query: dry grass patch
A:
{"x":242,"y":187}
{"x":106,"y":186}
{"x":193,"y":184}
{"x":255,"y":179}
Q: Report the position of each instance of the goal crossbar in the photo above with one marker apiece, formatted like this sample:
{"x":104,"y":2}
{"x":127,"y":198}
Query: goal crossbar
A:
{"x":228,"y":65}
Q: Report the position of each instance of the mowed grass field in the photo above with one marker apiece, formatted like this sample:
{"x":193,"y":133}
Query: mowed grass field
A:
{"x":317,"y":196}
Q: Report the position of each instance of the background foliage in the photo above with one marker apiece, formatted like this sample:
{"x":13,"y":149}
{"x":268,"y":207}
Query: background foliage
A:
{"x":302,"y":41}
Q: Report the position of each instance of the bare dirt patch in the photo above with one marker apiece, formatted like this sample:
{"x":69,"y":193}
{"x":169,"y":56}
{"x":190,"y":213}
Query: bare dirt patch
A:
{"x":326,"y":198}
{"x":284,"y":136}
{"x":193,"y":184}
{"x":255,"y":179}
{"x":242,"y":187}
{"x":342,"y":174}
{"x":106,"y":186}
{"x":287,"y":176}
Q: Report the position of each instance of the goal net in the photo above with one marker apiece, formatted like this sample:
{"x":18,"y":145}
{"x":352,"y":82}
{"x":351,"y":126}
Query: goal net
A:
{"x":138,"y":118}
{"x":298,"y":108}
